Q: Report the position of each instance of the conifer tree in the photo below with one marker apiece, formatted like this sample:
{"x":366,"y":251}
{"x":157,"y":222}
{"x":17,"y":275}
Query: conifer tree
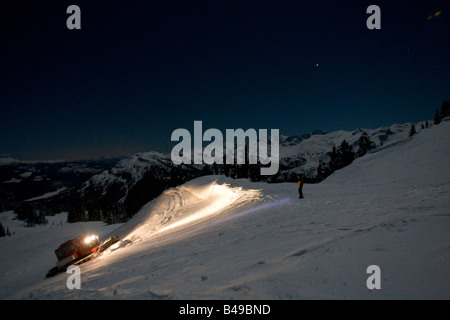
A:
{"x":445,"y":108}
{"x":412,"y":131}
{"x":341,"y":156}
{"x":365,"y":144}
{"x":437,"y":117}
{"x":2,"y":230}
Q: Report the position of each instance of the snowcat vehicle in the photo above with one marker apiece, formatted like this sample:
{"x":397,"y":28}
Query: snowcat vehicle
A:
{"x":78,"y":251}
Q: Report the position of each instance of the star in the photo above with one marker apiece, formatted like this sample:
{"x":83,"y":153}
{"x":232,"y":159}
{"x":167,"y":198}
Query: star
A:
{"x":436,"y":14}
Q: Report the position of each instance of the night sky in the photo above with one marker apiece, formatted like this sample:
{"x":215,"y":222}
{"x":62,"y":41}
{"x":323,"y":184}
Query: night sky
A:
{"x":137,"y":70}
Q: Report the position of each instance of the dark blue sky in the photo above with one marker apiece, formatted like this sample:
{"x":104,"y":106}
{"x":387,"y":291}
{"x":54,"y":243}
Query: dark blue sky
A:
{"x":137,"y":70}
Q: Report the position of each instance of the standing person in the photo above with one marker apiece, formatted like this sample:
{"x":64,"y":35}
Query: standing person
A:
{"x":300,"y":186}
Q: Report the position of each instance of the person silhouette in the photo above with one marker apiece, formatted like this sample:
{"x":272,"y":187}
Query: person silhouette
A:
{"x":300,"y":186}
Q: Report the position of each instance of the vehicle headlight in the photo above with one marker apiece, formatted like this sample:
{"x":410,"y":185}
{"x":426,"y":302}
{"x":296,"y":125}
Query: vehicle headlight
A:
{"x":90,"y":239}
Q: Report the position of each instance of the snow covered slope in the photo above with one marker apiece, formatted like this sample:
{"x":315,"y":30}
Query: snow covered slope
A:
{"x":129,"y":171}
{"x":302,"y":154}
{"x":218,"y":238}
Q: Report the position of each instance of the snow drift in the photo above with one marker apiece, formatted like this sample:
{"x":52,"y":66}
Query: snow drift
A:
{"x":218,"y":238}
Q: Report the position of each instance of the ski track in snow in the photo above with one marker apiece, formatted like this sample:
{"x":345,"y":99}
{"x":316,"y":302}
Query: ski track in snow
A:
{"x":218,"y":238}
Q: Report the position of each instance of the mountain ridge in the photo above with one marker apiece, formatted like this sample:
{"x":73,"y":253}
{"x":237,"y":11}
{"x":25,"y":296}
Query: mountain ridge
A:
{"x":114,"y":193}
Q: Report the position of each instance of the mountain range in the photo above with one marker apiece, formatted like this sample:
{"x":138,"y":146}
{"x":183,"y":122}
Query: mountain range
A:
{"x":113,"y":190}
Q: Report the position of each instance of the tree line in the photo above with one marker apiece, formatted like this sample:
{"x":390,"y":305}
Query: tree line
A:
{"x":445,"y":112}
{"x":438,"y":116}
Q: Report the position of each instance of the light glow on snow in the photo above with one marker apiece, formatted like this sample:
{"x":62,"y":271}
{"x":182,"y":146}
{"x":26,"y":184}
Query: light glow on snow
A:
{"x":217,"y":198}
{"x":243,"y":213}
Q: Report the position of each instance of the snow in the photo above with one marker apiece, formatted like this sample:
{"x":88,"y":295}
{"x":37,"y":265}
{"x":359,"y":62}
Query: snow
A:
{"x":28,"y":254}
{"x":128,"y":171}
{"x":47,"y":195}
{"x":219,"y":238}
{"x":26,"y":174}
{"x":13,"y":180}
